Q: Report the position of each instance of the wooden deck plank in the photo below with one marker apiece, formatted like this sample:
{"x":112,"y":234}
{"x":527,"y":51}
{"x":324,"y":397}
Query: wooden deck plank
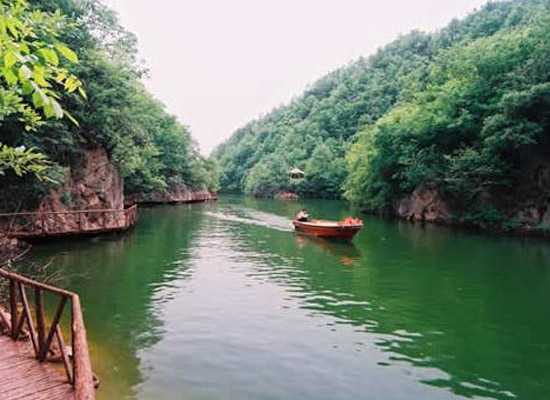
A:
{"x":22,"y":377}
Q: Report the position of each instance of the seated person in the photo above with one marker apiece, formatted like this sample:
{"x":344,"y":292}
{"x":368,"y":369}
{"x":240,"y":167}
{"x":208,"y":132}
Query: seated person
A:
{"x":302,"y":216}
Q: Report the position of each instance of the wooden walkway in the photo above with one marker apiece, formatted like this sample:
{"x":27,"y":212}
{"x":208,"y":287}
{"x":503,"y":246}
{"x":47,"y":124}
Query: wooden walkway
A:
{"x":23,"y":377}
{"x":67,"y":223}
{"x":25,"y":368}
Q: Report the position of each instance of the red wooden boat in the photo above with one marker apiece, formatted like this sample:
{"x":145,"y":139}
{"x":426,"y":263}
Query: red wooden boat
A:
{"x":328,"y":229}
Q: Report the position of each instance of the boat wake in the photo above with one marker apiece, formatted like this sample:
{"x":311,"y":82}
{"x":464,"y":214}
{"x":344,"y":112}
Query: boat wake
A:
{"x":254,"y":217}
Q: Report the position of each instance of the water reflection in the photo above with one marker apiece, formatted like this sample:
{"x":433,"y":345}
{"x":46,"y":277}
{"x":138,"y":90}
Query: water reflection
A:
{"x":346,"y":252}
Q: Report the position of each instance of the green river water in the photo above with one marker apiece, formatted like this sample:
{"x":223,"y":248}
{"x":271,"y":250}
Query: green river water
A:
{"x":224,"y":301}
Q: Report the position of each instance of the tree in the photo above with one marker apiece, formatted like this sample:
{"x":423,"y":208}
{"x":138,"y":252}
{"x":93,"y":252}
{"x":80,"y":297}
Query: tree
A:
{"x":472,"y":132}
{"x":339,"y":105}
{"x":324,"y":173}
{"x":32,"y":77}
{"x":267,"y":178}
{"x":152,"y":150}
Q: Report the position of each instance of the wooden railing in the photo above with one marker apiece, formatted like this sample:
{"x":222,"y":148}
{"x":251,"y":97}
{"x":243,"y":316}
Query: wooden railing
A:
{"x":131,"y":215}
{"x":42,"y":224}
{"x":47,"y":342}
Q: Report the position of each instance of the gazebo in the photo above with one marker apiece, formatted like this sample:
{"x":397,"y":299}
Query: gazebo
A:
{"x":296,"y":173}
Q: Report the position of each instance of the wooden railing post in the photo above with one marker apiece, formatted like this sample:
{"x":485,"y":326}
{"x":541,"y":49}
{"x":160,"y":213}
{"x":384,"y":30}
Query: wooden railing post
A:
{"x":40,"y":320}
{"x":82,"y":373}
{"x":55,"y":322}
{"x":13,"y":308}
{"x":42,"y":224}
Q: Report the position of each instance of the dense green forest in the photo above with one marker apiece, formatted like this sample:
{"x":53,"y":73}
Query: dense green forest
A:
{"x":70,"y":79}
{"x":458,"y":109}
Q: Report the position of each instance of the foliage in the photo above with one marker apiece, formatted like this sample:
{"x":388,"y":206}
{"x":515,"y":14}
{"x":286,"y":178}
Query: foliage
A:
{"x":461,"y":110}
{"x":267,"y":177}
{"x":325,"y":173}
{"x":151,"y":149}
{"x":32,"y":76}
{"x":22,"y":161}
{"x":484,"y":111}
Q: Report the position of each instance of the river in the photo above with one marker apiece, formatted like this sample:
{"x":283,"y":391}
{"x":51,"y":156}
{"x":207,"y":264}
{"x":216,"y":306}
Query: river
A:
{"x":224,"y":301}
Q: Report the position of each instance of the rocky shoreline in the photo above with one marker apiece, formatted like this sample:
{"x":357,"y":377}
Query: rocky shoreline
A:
{"x":520,"y":218}
{"x":180,"y":194}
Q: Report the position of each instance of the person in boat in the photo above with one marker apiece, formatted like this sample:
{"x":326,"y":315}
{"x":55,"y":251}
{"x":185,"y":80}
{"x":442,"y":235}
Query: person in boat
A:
{"x":302,"y":216}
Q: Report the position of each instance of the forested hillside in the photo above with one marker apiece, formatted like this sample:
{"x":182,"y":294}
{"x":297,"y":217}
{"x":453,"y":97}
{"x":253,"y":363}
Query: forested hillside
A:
{"x":83,"y":90}
{"x":458,"y":110}
{"x":476,"y":129}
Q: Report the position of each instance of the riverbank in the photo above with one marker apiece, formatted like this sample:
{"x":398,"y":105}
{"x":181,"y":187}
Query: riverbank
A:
{"x":426,"y":205}
{"x":507,"y":215}
{"x":177,"y":195}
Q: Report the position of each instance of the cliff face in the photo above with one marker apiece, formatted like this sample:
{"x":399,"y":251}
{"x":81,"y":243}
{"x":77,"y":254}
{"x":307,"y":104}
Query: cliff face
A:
{"x":524,"y":208}
{"x":424,"y":204}
{"x":178,"y":194}
{"x":529,"y":208}
{"x":94,"y":183}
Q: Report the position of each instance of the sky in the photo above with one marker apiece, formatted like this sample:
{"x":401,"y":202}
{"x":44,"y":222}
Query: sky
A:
{"x":217,"y":64}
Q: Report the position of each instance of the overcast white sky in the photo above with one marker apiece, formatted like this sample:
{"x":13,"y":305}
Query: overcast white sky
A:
{"x":217,"y":64}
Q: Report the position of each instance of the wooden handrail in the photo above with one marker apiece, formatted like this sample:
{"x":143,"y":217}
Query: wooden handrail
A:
{"x":50,"y":223}
{"x":79,"y":372}
{"x":92,"y":211}
{"x":11,"y":276}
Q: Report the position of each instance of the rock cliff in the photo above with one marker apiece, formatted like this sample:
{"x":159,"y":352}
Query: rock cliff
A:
{"x":178,"y":194}
{"x":424,"y":204}
{"x":523,"y":209}
{"x":93,"y":183}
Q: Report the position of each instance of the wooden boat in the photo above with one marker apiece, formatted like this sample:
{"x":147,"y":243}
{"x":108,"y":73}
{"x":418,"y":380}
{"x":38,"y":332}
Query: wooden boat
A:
{"x":328,"y":229}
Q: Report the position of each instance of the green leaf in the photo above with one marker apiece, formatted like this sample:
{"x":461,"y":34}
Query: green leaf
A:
{"x":10,"y":58}
{"x":71,"y":118}
{"x":27,"y":88}
{"x":10,"y":77}
{"x":67,"y":53}
{"x":24,"y":48}
{"x":82,"y":93}
{"x":40,"y":99}
{"x":50,"y":56}
{"x":39,"y":76}
{"x":61,"y":76}
{"x":2,"y":25}
{"x":49,"y":110}
{"x":71,"y":84}
{"x":37,"y":100}
{"x":11,"y":25}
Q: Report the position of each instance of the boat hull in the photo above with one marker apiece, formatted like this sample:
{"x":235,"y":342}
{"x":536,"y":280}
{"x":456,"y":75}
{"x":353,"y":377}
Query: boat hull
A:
{"x":324,"y":230}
